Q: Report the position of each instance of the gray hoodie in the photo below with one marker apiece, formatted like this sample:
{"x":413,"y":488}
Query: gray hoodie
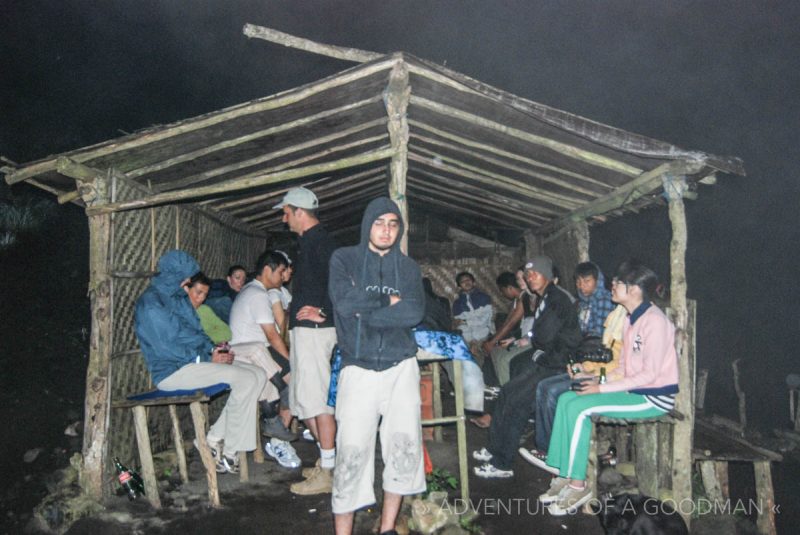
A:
{"x":372,"y":334}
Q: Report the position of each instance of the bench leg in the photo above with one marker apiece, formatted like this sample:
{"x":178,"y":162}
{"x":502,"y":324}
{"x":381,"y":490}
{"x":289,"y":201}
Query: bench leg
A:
{"x":199,"y":420}
{"x":461,"y":428}
{"x":146,"y":456}
{"x":177,"y":437}
{"x":646,"y":441}
{"x":591,"y":470}
{"x":258,"y":453}
{"x":244,"y":468}
{"x":711,"y":482}
{"x":766,"y":498}
{"x":437,"y":397}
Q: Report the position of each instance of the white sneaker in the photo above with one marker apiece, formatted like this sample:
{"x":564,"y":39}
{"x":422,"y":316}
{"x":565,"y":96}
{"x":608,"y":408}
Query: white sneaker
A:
{"x":482,"y":455}
{"x":569,"y":500}
{"x":283,"y":452}
{"x":536,"y":461}
{"x":557,"y":485}
{"x":489,"y":471}
{"x":308,"y":436}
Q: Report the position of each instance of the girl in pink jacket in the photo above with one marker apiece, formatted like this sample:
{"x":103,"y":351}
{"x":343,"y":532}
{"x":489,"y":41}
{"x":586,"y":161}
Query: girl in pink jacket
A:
{"x":643,"y":386}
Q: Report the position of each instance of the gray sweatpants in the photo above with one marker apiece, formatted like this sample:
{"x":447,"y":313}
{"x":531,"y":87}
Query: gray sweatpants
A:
{"x":236,"y":424}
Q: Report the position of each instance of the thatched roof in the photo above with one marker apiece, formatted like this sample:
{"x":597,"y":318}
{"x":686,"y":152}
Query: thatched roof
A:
{"x":479,"y":158}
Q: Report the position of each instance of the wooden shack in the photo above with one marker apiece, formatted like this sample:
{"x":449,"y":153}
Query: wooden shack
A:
{"x":483,"y":177}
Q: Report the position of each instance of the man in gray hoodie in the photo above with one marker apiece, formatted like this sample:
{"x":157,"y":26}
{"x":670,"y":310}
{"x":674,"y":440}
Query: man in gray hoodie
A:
{"x":378,"y":298}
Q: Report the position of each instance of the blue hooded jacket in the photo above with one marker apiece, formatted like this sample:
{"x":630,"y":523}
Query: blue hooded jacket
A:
{"x":372,"y":334}
{"x":595,"y":308}
{"x":168,"y":328}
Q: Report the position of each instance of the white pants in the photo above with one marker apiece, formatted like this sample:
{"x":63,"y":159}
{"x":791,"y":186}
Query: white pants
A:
{"x":310,"y":357}
{"x":365,"y":400}
{"x":236,"y":424}
{"x":257,"y":354}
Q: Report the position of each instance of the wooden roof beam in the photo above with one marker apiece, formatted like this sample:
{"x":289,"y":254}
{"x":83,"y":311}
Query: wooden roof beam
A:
{"x":451,"y":207}
{"x":242,"y":183}
{"x":465,"y":144}
{"x":516,"y":188}
{"x":477,"y":193}
{"x":462,"y":168}
{"x":201,"y":177}
{"x":626,"y":193}
{"x":230,"y":143}
{"x":132,"y":141}
{"x":562,"y":148}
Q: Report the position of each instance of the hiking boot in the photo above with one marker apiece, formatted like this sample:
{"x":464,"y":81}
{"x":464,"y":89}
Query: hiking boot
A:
{"x":482,"y":455}
{"x":274,"y":428}
{"x":557,"y":484}
{"x":283,"y":452}
{"x":490,"y":471}
{"x":308,"y":472}
{"x":536,"y":460}
{"x":569,"y":500}
{"x":320,"y":482}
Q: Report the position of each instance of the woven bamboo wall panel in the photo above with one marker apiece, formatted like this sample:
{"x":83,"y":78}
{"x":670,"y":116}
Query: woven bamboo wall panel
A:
{"x":188,"y":232}
{"x":443,"y":278}
{"x":165,"y":230}
{"x":131,"y":230}
{"x":213,"y":247}
{"x":126,"y":292}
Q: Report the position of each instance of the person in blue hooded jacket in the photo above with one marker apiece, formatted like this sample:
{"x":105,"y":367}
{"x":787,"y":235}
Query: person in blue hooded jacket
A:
{"x":180,"y":356}
{"x":377,"y":297}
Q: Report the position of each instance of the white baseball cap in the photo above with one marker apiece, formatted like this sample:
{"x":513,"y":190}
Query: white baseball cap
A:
{"x":299,"y":197}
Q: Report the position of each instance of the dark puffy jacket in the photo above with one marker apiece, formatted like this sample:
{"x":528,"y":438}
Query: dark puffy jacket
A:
{"x":372,"y":334}
{"x":556,"y":330}
{"x":168,"y":328}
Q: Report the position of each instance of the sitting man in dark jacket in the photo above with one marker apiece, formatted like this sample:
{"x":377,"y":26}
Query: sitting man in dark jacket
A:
{"x":377,"y":297}
{"x":180,"y":356}
{"x":554,"y":335}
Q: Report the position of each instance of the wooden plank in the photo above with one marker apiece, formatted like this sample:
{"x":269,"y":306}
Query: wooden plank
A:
{"x":146,"y":456}
{"x":238,"y":184}
{"x":646,"y":440}
{"x":437,"y":398}
{"x":711,"y":483}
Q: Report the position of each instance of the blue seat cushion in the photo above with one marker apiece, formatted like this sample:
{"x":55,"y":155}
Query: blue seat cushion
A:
{"x":210,"y":391}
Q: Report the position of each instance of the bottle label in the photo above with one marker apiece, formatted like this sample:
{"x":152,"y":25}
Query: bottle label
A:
{"x":124,"y":477}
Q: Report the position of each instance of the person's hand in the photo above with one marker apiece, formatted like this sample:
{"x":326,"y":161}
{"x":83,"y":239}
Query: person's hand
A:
{"x":310,"y":313}
{"x":523,"y":342}
{"x":487,"y":346}
{"x":222,"y":357}
{"x":578,"y":370}
{"x":393,"y":299}
{"x":505,"y":342}
{"x":588,"y":387}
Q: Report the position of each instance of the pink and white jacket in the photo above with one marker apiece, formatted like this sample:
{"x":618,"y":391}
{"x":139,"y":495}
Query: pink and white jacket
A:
{"x":649,"y":362}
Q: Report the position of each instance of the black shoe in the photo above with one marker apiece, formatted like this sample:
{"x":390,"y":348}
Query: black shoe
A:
{"x":273,"y":427}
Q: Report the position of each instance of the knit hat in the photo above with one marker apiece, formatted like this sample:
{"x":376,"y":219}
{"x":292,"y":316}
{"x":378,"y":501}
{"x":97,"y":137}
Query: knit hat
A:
{"x":541,"y":264}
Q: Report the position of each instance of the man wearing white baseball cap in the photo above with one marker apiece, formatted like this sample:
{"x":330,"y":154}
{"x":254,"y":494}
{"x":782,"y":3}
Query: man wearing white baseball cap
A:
{"x":312,"y":334}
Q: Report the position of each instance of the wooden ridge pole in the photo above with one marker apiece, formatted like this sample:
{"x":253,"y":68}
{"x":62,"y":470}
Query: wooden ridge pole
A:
{"x":396,"y":98}
{"x":245,"y":182}
{"x":674,"y":188}
{"x":280,"y":38}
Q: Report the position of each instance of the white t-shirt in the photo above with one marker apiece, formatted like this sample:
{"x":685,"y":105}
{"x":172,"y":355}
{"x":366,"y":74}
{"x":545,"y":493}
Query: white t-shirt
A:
{"x":250,"y":310}
{"x":280,"y":294}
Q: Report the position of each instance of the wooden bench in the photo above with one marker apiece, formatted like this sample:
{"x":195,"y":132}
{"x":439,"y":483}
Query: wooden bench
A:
{"x":198,"y":405}
{"x":652,"y":450}
{"x":714,"y":448}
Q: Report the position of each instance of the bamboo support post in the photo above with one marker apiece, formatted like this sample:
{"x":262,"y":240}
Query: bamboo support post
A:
{"x":98,"y":392}
{"x":674,"y":187}
{"x":396,"y":98}
{"x":437,"y":398}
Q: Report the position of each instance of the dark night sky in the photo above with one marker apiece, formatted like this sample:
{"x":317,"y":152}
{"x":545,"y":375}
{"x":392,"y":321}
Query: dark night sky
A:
{"x":720,"y":77}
